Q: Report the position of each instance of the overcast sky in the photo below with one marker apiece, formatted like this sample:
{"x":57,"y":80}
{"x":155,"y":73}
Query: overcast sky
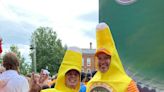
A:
{"x":73,"y":20}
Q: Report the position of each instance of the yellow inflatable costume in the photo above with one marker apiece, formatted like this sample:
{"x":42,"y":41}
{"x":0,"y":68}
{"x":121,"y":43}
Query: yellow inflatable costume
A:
{"x":71,"y":60}
{"x":115,"y":79}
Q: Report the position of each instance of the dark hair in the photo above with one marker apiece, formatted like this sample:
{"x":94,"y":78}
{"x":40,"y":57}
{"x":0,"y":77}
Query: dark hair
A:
{"x":72,"y":70}
{"x":93,"y":73}
{"x":10,"y":61}
{"x":88,"y":77}
{"x":83,"y":75}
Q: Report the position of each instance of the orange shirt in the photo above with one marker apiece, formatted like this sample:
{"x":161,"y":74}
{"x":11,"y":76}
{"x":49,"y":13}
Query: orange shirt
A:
{"x":51,"y":82}
{"x":132,"y":87}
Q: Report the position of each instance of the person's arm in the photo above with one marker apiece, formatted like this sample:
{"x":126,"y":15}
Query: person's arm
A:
{"x":2,"y":84}
{"x":132,"y":87}
{"x":3,"y":81}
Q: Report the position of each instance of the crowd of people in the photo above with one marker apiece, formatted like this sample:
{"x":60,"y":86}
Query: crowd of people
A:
{"x":109,"y":77}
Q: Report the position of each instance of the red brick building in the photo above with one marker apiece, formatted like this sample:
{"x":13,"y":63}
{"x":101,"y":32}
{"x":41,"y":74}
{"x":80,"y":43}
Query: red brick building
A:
{"x":88,"y":61}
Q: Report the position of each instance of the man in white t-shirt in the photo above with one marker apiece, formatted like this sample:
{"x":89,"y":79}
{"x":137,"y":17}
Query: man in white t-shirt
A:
{"x":10,"y":80}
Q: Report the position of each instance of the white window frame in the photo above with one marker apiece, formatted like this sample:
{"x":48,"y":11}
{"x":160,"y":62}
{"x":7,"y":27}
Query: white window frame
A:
{"x":88,"y":61}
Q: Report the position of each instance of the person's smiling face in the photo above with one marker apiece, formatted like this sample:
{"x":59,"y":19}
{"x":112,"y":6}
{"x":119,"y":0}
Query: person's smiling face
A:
{"x":103,"y":62}
{"x":72,"y":78}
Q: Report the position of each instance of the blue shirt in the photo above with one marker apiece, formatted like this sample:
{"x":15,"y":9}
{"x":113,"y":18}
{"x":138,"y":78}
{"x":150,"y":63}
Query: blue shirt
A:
{"x":82,"y":87}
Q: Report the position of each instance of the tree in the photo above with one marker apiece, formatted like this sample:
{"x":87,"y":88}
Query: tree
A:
{"x":24,"y":66}
{"x":0,"y":59}
{"x":49,"y":49}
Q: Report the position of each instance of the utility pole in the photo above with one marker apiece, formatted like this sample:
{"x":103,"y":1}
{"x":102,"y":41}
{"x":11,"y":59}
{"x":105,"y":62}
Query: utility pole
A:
{"x":35,"y":69}
{"x":33,"y":48}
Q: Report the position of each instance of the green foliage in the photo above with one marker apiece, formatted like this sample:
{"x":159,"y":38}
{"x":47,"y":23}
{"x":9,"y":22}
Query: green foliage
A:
{"x":0,"y":60}
{"x":24,"y":67}
{"x":49,"y":49}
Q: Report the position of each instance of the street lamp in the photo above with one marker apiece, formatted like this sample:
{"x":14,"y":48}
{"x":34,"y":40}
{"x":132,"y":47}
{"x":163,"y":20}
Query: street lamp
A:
{"x":33,"y":48}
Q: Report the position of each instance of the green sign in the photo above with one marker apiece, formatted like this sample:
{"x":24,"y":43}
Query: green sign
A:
{"x":138,"y":30}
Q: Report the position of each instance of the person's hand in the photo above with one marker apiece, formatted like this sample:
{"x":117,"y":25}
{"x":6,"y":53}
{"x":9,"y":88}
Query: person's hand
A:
{"x":34,"y":84}
{"x":35,"y":78}
{"x":2,"y":83}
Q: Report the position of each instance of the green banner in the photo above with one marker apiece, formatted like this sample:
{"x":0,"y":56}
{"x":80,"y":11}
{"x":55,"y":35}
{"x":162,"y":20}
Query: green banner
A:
{"x":138,"y":30}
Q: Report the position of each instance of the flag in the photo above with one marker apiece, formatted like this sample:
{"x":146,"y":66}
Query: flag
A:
{"x":0,"y":45}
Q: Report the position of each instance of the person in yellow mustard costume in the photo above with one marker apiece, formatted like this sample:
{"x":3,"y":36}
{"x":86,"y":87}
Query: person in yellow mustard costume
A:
{"x":110,"y":76}
{"x":68,"y":79}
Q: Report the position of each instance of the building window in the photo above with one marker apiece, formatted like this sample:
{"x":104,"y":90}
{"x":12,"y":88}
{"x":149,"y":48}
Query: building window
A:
{"x":82,"y":61}
{"x":88,"y":61}
{"x":88,"y":70}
